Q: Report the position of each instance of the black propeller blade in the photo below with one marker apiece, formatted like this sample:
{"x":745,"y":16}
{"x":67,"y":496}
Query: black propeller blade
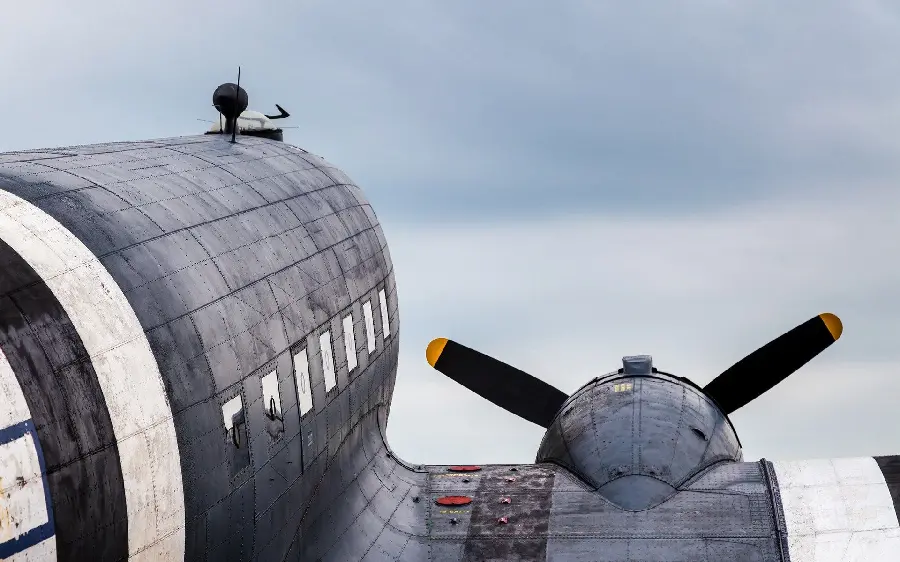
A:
{"x":508,"y":387}
{"x":756,"y":373}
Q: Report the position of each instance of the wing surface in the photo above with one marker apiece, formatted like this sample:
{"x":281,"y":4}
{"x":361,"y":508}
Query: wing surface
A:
{"x":806,"y":511}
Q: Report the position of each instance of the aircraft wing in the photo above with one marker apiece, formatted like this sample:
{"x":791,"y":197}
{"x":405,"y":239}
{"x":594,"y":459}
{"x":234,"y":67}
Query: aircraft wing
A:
{"x":803,"y":511}
{"x":551,"y":515}
{"x":542,"y":512}
{"x":634,"y":466}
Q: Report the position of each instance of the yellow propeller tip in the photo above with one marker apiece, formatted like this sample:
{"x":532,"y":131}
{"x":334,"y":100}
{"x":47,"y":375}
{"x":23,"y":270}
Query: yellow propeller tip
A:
{"x":434,"y":350}
{"x":833,"y":323}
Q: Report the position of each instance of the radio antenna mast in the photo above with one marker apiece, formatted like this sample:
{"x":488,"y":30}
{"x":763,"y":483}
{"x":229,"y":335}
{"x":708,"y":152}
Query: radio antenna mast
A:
{"x":237,"y":93}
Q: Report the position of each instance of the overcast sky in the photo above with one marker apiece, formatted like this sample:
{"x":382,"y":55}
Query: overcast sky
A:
{"x":560,"y":184}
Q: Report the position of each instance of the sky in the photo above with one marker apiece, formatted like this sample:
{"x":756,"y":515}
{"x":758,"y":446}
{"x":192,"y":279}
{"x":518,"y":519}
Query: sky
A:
{"x":559,"y":185}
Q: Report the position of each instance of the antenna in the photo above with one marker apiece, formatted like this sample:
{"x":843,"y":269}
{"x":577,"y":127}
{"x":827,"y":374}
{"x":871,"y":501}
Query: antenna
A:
{"x":237,"y":92}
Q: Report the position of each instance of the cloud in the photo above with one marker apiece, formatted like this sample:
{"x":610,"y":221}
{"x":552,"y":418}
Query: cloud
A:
{"x":566,"y":299}
{"x":490,"y":112}
{"x":560,"y":185}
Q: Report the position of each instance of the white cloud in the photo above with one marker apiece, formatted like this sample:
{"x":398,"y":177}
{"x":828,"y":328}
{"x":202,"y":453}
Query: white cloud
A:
{"x":565,"y":299}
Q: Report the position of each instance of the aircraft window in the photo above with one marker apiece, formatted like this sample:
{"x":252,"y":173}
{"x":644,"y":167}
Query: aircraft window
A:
{"x":233,"y":414}
{"x":271,"y":397}
{"x":301,"y":376}
{"x":385,"y":324}
{"x":370,"y":326}
{"x":327,"y":360}
{"x":349,"y":342}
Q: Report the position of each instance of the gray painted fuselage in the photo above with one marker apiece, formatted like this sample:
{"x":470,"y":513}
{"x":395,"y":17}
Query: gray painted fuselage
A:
{"x":243,"y":260}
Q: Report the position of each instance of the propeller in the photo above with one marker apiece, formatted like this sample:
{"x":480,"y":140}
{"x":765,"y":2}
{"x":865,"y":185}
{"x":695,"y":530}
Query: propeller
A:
{"x":538,"y":402}
{"x":513,"y":390}
{"x":756,"y":373}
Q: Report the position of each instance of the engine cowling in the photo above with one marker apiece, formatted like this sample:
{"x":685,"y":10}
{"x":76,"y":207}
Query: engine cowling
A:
{"x":637,"y":435}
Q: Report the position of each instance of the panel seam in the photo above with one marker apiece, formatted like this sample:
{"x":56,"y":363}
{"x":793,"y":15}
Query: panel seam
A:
{"x":781,"y":538}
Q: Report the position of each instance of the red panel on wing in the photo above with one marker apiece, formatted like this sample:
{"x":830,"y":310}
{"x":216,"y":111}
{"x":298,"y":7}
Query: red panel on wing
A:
{"x":454,"y":500}
{"x":464,"y":468}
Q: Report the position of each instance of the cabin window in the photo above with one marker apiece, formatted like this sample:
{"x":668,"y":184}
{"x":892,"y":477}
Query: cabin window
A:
{"x":271,"y":397}
{"x":370,"y":326}
{"x":385,"y":324}
{"x":349,"y":342}
{"x":301,"y":376}
{"x":327,"y":361}
{"x":233,"y":414}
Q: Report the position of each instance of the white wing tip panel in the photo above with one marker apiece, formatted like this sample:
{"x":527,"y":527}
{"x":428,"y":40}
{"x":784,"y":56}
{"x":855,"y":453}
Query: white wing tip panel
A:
{"x":841,"y":509}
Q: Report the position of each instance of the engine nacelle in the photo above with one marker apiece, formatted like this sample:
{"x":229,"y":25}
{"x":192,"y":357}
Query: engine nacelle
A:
{"x":638,"y":435}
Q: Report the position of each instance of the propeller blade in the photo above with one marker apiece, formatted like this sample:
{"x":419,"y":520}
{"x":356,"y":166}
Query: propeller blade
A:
{"x":756,"y":373}
{"x":513,"y":390}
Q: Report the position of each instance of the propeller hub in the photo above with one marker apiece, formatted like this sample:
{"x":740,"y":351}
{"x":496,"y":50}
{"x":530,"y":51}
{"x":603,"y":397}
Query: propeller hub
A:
{"x":636,"y":438}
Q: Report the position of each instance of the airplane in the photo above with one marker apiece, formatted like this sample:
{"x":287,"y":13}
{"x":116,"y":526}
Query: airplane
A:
{"x":198,"y":351}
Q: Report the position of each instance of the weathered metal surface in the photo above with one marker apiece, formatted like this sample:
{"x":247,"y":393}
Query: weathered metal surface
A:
{"x":198,"y":349}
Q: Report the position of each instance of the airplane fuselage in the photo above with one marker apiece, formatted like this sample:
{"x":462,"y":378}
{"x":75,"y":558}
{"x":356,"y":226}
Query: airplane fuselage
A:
{"x":198,"y":350}
{"x":177,"y":318}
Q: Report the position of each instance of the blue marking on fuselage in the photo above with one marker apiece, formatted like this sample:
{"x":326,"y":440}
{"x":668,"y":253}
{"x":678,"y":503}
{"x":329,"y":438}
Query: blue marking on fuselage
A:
{"x":41,"y":532}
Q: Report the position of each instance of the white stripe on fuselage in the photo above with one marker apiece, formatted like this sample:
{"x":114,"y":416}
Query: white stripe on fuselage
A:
{"x":13,"y":408}
{"x":126,"y":370}
{"x":838,"y":510}
{"x":23,"y":506}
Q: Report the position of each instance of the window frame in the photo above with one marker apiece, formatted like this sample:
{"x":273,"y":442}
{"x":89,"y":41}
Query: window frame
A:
{"x":329,"y":371}
{"x":300,"y":377}
{"x":385,"y":320}
{"x":370,"y":326}
{"x":350,"y":342}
